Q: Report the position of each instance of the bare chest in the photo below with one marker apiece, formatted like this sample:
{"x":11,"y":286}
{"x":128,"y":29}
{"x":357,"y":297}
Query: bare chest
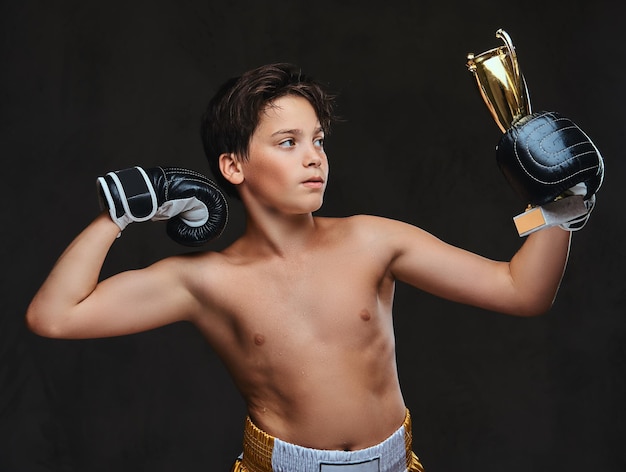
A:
{"x":327,"y":299}
{"x":295,"y":332}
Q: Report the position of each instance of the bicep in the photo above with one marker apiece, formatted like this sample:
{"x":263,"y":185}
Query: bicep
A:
{"x":130,"y":302}
{"x":441,"y":269}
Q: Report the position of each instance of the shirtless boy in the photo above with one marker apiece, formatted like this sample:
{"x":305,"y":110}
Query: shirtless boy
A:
{"x":299,"y":308}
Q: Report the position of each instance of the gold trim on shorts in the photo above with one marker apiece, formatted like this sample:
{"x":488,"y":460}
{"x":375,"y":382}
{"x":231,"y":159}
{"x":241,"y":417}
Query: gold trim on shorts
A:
{"x":258,"y":447}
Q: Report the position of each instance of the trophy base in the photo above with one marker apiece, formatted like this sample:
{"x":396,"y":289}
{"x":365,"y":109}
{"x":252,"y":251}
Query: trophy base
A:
{"x":551,"y":214}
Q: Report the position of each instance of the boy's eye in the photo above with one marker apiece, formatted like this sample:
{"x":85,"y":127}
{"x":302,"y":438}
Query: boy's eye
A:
{"x":319,"y":142}
{"x":287,"y":143}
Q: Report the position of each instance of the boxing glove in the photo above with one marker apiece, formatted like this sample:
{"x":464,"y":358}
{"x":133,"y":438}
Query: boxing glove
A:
{"x":194,"y":206}
{"x":545,"y":156}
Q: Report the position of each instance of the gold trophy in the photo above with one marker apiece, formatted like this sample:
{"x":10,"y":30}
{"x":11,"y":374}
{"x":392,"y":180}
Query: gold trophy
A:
{"x":503,"y":88}
{"x":501,"y":82}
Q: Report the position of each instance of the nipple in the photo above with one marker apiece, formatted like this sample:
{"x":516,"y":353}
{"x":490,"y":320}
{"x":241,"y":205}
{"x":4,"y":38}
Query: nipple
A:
{"x":259,"y":339}
{"x":365,"y":315}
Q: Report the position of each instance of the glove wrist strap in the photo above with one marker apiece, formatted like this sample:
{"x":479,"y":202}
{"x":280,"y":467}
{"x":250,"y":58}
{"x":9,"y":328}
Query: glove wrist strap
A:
{"x":136,"y":193}
{"x":557,"y":213}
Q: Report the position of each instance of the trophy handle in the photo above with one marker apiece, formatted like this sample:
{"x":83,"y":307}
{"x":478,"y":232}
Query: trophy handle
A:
{"x":508,"y":43}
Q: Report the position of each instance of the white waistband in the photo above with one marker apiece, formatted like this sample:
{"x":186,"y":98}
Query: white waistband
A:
{"x":388,"y":456}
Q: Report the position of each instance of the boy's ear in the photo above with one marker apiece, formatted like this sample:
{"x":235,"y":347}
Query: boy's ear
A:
{"x":231,"y":168}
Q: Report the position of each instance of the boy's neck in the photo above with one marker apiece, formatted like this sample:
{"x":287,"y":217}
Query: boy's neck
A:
{"x":280,"y":234}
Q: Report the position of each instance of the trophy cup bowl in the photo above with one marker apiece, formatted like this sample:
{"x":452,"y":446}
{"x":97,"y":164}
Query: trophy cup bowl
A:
{"x":501,"y":83}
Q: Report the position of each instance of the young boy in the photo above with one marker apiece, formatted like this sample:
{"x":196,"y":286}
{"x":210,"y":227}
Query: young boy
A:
{"x":299,"y":308}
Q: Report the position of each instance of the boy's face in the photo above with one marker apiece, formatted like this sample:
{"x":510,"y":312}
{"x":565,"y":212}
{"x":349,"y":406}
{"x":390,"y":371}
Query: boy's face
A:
{"x":287,"y":168}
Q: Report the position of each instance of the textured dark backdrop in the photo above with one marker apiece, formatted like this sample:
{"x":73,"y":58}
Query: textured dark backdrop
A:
{"x":88,"y":87}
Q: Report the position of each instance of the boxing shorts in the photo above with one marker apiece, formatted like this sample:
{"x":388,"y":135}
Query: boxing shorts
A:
{"x":265,"y":453}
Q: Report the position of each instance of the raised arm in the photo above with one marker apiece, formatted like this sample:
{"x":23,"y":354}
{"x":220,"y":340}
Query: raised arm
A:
{"x":554,"y":166}
{"x":73,"y":304}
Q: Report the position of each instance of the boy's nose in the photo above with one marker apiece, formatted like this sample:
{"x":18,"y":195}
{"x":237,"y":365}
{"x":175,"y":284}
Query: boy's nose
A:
{"x":313,"y":159}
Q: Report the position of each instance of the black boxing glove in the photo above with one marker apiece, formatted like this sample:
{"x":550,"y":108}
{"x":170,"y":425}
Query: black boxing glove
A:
{"x":544,"y":154}
{"x":194,"y":206}
{"x":544,"y":157}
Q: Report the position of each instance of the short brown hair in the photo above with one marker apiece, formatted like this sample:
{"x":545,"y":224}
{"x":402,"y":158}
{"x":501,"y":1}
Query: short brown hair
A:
{"x":233,"y":113}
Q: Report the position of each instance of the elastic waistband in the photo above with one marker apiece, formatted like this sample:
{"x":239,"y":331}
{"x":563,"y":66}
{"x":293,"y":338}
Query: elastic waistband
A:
{"x":265,"y":453}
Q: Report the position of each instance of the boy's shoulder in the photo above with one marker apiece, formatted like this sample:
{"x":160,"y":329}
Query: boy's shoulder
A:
{"x":361,"y":222}
{"x":374,"y":232}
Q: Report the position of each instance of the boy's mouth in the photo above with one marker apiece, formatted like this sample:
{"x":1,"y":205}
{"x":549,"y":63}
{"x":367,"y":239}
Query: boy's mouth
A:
{"x":314,"y":182}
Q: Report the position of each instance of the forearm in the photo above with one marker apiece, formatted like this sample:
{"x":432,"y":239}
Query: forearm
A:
{"x":537,"y":268}
{"x":73,"y":277}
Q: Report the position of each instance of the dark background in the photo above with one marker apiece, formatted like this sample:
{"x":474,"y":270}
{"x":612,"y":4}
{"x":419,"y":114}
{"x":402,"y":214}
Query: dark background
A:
{"x":88,"y":87}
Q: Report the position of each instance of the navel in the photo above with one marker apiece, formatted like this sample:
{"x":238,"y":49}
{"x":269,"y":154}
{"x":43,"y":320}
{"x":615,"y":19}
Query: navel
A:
{"x":259,"y":339}
{"x":365,"y":315}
